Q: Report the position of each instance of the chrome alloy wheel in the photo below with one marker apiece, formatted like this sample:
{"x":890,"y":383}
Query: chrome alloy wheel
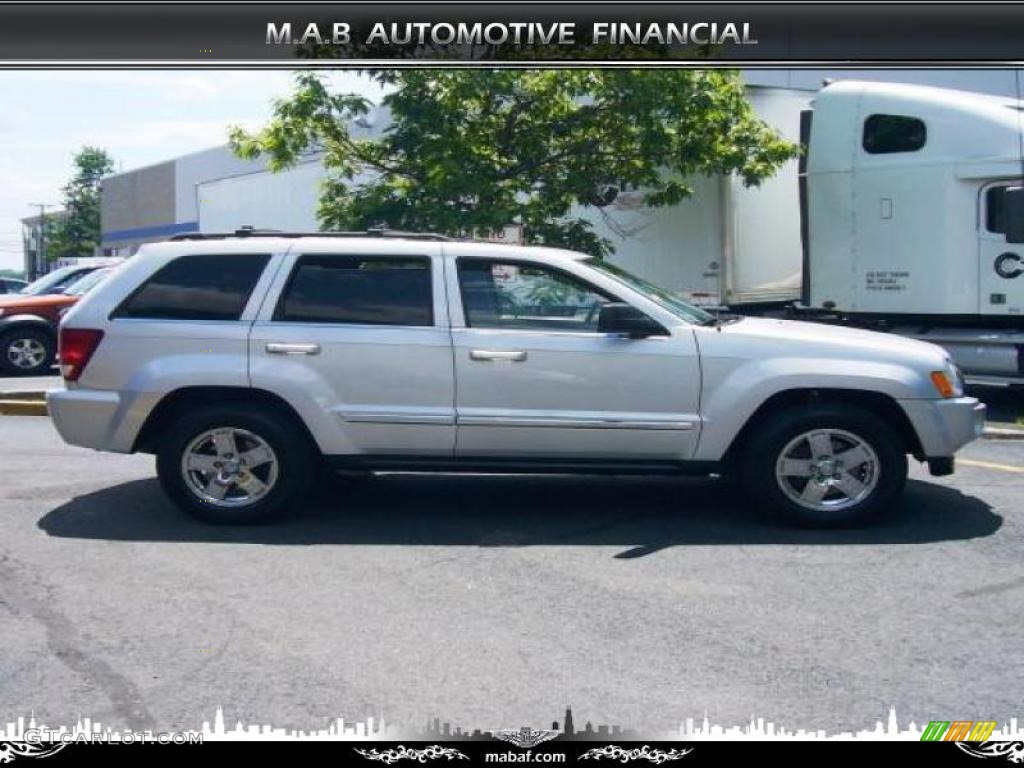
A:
{"x":229,"y":467}
{"x":827,"y":469}
{"x":26,"y":354}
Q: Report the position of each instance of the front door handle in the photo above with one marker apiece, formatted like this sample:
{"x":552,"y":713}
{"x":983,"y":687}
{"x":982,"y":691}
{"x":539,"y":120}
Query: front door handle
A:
{"x":281,"y":348}
{"x":507,"y":355}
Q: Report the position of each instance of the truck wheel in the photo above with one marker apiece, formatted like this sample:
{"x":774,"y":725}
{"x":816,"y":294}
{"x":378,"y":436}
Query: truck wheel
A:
{"x":26,"y":352}
{"x":826,"y":465}
{"x":230,"y":464}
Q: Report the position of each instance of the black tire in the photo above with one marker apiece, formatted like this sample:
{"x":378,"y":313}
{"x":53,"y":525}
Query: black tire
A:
{"x":765,"y":448}
{"x":35,"y":336}
{"x":297,"y":462}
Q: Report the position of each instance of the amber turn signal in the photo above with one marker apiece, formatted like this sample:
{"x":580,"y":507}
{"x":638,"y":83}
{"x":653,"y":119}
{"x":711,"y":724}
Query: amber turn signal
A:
{"x":942,"y":383}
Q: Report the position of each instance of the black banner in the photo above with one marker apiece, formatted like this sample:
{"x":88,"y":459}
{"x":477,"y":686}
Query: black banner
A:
{"x":471,"y":754}
{"x":282,"y":33}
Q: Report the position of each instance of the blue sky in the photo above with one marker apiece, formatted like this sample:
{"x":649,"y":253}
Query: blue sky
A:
{"x":139,"y":117}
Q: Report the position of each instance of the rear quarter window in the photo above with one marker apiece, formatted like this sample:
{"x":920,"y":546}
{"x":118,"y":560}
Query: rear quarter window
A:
{"x":197,"y":287}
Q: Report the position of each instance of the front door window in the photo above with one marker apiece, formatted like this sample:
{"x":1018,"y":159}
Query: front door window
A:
{"x":527,"y":297}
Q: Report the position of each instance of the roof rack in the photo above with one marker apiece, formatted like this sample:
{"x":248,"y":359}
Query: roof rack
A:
{"x":253,"y":232}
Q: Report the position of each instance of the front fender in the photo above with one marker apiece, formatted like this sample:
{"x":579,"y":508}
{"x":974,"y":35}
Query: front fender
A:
{"x":733,"y":393}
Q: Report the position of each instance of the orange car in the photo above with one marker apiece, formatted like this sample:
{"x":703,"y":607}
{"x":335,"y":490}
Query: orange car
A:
{"x":29,"y":320}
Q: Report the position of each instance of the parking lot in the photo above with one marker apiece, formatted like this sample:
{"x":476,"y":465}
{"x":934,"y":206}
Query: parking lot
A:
{"x":496,"y":602}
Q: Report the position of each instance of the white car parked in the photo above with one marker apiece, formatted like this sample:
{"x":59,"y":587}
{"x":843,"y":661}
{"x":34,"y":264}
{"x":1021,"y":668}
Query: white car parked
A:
{"x":247,"y":362}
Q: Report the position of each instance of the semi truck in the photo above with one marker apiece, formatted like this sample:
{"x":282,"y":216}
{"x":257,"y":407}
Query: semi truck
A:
{"x":905,"y":213}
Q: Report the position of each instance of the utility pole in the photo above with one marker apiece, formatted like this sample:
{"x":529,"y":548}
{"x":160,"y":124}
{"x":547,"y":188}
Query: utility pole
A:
{"x":40,"y":258}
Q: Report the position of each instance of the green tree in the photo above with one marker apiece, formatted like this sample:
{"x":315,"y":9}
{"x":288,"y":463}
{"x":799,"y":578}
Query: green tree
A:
{"x":476,"y":150}
{"x":78,"y":233}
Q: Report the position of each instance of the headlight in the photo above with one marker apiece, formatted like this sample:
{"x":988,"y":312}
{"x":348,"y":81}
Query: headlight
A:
{"x":958,"y":379}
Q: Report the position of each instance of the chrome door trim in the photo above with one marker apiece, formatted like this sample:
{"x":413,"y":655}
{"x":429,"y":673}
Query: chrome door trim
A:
{"x":574,"y":422}
{"x":370,"y":415}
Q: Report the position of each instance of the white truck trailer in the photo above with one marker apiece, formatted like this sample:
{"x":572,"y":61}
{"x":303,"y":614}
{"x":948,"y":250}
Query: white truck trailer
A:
{"x":726,"y":244}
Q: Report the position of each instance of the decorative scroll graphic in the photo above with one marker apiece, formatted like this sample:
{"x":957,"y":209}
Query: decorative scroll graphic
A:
{"x":433,"y":752}
{"x":624,"y":755}
{"x":1013,"y":751}
{"x":11,"y":750}
{"x":525,"y":737}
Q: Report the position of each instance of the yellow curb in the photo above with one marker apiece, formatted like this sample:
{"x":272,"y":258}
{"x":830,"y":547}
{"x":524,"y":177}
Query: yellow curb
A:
{"x":24,"y":394}
{"x":23,"y":407}
{"x":990,"y":465}
{"x":993,"y":432}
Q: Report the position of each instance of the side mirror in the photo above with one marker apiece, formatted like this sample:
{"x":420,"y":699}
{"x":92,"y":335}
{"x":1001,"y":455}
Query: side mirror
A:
{"x":1013,"y":212}
{"x":621,"y":318}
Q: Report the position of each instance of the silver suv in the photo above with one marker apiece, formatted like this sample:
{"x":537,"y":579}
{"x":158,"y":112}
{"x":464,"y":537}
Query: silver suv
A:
{"x":249,"y":362}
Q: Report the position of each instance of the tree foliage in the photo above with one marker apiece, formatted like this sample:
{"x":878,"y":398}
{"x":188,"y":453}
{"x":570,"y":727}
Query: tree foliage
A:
{"x":475,"y":150}
{"x":78,"y":233}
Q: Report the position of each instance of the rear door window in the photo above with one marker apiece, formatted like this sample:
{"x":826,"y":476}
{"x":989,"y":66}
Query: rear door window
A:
{"x":361,"y":290}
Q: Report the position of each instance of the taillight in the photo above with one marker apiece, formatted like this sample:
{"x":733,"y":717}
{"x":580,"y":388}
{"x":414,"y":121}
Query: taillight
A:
{"x":75,"y":347}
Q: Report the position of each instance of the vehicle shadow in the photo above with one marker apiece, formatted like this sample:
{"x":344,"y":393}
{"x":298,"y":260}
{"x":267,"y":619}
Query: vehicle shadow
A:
{"x":641,"y":514}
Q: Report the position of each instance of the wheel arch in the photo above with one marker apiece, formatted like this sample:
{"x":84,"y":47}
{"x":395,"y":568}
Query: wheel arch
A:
{"x":179,"y":401}
{"x":877,"y":403}
{"x":21,"y":322}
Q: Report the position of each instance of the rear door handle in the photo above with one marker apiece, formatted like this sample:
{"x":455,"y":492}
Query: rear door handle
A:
{"x":508,"y":355}
{"x":281,"y":348}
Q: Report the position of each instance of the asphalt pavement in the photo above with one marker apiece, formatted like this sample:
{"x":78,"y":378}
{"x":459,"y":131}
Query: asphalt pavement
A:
{"x":497,"y":601}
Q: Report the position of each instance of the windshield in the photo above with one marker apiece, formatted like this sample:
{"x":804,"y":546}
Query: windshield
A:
{"x":83,"y":284}
{"x":662,"y":298}
{"x":54,"y":282}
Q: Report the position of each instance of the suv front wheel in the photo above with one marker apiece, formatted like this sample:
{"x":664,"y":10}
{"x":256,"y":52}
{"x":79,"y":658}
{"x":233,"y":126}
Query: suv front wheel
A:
{"x":826,"y":465}
{"x":232,"y":464}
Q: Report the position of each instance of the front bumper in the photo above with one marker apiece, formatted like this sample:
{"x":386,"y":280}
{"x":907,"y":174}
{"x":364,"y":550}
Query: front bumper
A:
{"x":945,"y":426}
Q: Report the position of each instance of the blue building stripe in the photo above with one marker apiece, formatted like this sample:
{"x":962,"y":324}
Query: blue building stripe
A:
{"x":159,"y":230}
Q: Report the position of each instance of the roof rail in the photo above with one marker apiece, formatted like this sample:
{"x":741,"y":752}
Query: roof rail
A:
{"x":253,"y":232}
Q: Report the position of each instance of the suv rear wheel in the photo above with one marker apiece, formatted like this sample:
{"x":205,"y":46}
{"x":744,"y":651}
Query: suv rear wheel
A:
{"x":826,"y":465}
{"x":26,"y":352}
{"x":230,"y":464}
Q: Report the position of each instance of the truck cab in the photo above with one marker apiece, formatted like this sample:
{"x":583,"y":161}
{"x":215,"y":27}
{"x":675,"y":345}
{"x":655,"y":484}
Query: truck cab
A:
{"x":905,"y":217}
